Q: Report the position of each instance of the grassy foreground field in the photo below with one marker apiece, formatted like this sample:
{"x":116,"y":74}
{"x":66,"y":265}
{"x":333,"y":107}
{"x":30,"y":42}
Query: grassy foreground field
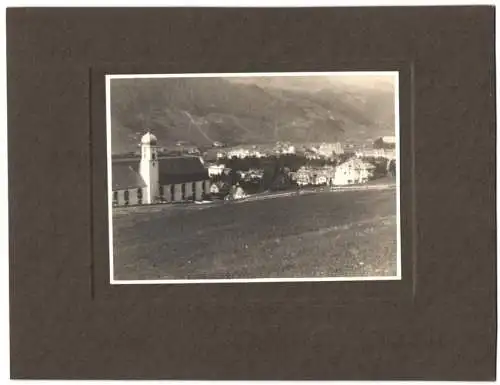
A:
{"x":328,"y":234}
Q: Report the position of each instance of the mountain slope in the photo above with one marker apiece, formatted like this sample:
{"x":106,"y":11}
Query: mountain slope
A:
{"x":204,"y":110}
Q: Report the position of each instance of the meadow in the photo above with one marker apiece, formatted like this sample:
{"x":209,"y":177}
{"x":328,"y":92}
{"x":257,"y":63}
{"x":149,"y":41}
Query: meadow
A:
{"x":324,"y":234}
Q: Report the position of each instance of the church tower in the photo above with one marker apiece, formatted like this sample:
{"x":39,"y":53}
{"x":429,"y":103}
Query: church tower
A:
{"x":149,"y":167}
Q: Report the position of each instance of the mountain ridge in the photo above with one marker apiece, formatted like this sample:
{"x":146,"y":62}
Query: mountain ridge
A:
{"x":204,"y":110}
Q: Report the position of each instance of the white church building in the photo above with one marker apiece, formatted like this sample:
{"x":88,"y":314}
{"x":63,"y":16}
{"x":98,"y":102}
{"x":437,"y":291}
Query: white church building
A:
{"x":157,"y":179}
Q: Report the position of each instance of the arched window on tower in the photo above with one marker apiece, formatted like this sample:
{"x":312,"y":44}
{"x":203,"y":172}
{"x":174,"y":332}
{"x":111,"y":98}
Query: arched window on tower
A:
{"x":139,"y":196}
{"x":115,"y":198}
{"x":126,"y":197}
{"x":160,"y":191}
{"x":183,"y":189}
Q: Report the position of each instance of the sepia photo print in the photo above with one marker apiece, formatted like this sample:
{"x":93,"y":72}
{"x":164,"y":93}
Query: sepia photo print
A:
{"x":253,"y":177}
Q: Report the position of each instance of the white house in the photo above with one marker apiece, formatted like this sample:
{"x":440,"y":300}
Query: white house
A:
{"x":328,"y":149}
{"x":238,"y":193}
{"x":238,"y":153}
{"x":389,"y":154}
{"x":153,"y":179}
{"x":302,"y":177}
{"x":389,"y":139}
{"x":215,"y":169}
{"x":314,"y":175}
{"x":352,"y":171}
{"x":287,"y":150}
{"x":214,"y":188}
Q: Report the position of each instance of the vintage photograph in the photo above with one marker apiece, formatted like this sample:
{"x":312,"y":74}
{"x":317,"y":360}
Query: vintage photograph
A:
{"x":253,"y":177}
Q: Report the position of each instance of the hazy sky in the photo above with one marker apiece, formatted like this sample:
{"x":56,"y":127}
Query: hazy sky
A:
{"x":316,"y":83}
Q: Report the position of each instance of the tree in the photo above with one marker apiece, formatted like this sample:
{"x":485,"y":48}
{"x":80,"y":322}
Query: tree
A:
{"x":282,"y":181}
{"x":268,"y":177}
{"x":379,"y":143}
{"x":234,"y":177}
{"x":381,"y":167}
{"x":392,"y":168}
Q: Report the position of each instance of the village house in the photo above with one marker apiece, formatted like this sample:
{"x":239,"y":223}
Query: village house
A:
{"x":219,"y":189}
{"x":311,"y":155}
{"x":371,"y":153}
{"x":154,"y":179}
{"x":389,"y":154}
{"x":321,"y":180}
{"x":389,"y":139}
{"x":237,"y":192}
{"x":302,"y":177}
{"x":328,"y":149}
{"x":387,"y":142}
{"x":242,"y":153}
{"x":284,"y":149}
{"x":215,"y":169}
{"x":221,"y":155}
{"x":254,"y":174}
{"x":238,"y":153}
{"x":314,"y":176}
{"x":215,"y":188}
{"x":352,"y":171}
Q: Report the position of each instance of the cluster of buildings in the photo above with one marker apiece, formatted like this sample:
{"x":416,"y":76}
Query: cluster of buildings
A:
{"x":158,"y":178}
{"x":389,"y":154}
{"x":391,"y":140}
{"x":251,"y":175}
{"x":310,"y":155}
{"x":321,"y":151}
{"x":284,"y":149}
{"x":242,"y":152}
{"x":222,"y":189}
{"x":305,"y":176}
{"x":215,"y":170}
{"x":382,"y":147}
{"x":326,"y":150}
{"x":352,"y":171}
{"x":317,"y":151}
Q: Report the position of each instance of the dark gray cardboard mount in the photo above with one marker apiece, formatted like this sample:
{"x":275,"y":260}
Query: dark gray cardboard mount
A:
{"x":67,"y":322}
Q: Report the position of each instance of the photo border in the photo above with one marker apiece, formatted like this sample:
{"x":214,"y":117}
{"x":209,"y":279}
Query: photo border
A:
{"x":110,"y":77}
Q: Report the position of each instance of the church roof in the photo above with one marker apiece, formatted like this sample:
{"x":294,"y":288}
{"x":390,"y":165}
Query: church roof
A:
{"x":181,"y":169}
{"x":172,"y":170}
{"x":125,"y":176}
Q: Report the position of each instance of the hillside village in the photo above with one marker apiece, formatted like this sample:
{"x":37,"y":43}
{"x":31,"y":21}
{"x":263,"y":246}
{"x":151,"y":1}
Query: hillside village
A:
{"x":187,"y":173}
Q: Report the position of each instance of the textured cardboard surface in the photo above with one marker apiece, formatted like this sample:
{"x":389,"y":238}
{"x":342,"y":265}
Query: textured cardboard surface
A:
{"x":439,"y":323}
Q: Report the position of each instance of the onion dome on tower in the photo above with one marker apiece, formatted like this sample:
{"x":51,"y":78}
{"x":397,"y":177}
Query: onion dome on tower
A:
{"x":149,"y":139}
